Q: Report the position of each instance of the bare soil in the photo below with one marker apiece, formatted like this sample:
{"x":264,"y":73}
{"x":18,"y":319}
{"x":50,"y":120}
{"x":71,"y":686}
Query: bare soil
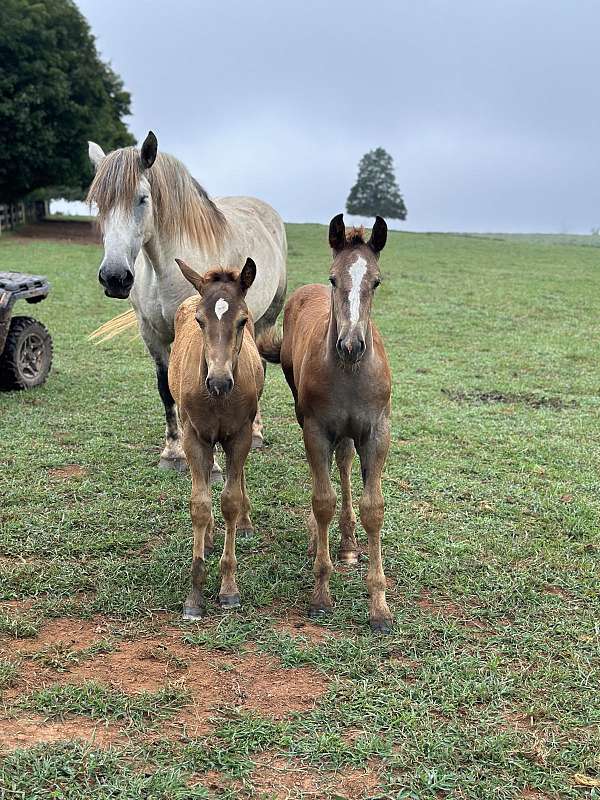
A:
{"x":79,"y":231}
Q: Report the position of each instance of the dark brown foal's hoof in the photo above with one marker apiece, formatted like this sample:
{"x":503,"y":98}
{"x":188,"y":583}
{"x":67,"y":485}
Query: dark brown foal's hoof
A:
{"x":230,"y":600}
{"x":191,"y":613}
{"x":318,"y":612}
{"x":381,"y":625}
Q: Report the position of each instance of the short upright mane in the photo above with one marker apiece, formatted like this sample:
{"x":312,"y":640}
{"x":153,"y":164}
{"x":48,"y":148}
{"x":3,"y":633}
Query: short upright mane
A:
{"x":182,"y":208}
{"x":221,"y":275}
{"x":355,"y":236}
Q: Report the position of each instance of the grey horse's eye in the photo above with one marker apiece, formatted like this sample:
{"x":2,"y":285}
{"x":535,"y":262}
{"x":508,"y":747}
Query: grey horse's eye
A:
{"x":143,"y":199}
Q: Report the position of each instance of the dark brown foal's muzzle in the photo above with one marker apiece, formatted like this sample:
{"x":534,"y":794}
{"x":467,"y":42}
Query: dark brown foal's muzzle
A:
{"x":219,"y":387}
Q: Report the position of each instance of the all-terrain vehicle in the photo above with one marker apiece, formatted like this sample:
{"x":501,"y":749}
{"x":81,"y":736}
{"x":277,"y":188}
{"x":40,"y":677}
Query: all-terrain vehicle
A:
{"x":25,"y":344}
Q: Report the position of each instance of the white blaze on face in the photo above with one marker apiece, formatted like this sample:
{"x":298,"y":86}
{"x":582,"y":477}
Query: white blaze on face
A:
{"x":221,"y":307}
{"x":357,"y":273}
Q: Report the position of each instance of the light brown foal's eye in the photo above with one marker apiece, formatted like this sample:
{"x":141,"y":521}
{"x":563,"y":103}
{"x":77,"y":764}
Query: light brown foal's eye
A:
{"x":200,"y":322}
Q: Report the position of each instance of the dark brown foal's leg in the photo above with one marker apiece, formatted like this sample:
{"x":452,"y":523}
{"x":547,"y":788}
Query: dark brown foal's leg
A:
{"x":344,"y":455}
{"x":319,"y":452}
{"x":236,"y":451}
{"x":200,"y":459}
{"x":244,"y":523}
{"x":372,"y":459}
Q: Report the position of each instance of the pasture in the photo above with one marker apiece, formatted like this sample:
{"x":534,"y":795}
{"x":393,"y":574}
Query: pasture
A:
{"x":488,"y":687}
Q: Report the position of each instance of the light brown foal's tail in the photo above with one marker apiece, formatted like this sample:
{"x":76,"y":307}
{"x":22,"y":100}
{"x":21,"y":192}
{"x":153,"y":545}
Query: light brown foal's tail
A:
{"x":269,"y":346}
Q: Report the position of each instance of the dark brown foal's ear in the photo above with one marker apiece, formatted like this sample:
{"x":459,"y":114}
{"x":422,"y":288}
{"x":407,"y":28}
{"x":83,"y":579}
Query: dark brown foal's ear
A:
{"x":191,"y":275}
{"x":247,"y":275}
{"x":378,"y":235}
{"x":149,"y":150}
{"x":337,"y":233}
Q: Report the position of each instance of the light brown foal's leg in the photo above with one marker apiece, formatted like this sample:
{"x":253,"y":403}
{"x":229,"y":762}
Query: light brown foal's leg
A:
{"x":318,"y":452}
{"x":372,"y":458}
{"x":344,"y":455}
{"x":236,"y":452}
{"x":200,"y":459}
{"x":244,"y":523}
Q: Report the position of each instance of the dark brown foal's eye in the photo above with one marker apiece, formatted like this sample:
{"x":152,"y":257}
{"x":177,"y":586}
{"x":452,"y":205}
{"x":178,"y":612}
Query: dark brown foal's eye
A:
{"x":241,"y":323}
{"x":332,"y":280}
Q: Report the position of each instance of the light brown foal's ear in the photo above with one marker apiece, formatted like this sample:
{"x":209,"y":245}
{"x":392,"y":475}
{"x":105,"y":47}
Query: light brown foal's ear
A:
{"x":247,"y":275}
{"x":337,"y":233}
{"x":378,"y":235}
{"x":191,"y":275}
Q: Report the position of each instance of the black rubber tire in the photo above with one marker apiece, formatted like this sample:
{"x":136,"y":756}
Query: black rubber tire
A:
{"x":27,"y":355}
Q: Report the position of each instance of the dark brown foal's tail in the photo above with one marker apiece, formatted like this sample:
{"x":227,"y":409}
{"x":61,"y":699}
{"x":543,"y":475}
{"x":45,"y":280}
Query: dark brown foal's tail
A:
{"x":269,"y":346}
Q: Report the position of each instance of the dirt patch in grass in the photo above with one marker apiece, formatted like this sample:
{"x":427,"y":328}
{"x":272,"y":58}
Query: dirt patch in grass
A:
{"x":81,"y":231}
{"x":23,"y":733}
{"x":67,"y":473}
{"x":251,"y":681}
{"x":295,"y":624}
{"x":534,"y":794}
{"x":277,"y":778}
{"x":519,"y":398}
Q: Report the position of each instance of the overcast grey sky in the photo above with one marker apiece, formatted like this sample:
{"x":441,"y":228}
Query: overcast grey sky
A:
{"x":489,"y":107}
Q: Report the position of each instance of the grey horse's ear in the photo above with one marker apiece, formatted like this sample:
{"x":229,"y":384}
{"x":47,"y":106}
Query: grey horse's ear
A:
{"x":149,"y":150}
{"x":191,"y":275}
{"x":247,"y":275}
{"x":96,"y":154}
{"x":337,"y":233}
{"x":378,"y":235}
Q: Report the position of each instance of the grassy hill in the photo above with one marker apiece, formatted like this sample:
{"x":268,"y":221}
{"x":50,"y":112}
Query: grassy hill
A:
{"x":490,"y":683}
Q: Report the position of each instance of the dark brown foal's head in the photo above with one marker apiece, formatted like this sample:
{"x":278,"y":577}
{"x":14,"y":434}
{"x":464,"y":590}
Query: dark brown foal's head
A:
{"x":354,"y":276}
{"x":222,"y":315}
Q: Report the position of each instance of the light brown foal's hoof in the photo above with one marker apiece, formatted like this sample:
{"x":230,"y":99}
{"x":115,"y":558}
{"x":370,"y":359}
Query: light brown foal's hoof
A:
{"x":175,"y":464}
{"x":318,"y":612}
{"x":383,"y":625}
{"x":228,"y":601}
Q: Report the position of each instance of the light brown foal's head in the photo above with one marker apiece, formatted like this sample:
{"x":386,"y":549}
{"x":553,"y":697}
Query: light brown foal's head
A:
{"x":222,"y":315}
{"x":354,"y":276}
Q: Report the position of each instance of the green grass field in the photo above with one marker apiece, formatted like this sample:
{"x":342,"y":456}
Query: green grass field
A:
{"x":489,"y":686}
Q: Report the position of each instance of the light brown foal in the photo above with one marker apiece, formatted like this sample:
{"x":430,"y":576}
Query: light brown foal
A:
{"x":336,"y":366}
{"x":216,"y":377}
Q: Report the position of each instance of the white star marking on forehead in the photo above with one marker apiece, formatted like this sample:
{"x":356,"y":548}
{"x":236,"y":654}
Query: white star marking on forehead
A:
{"x":357,"y":273}
{"x":221,"y":307}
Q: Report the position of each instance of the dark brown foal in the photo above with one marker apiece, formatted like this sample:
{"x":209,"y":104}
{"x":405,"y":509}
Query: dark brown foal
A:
{"x":216,"y":377}
{"x":336,"y":366}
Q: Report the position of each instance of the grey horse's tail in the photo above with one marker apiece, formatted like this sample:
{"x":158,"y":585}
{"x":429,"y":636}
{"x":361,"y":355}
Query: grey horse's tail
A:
{"x":115,"y":326}
{"x":269,"y":346}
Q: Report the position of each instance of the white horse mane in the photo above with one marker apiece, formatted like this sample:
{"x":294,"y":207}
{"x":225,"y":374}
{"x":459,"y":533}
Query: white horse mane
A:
{"x":182,"y":208}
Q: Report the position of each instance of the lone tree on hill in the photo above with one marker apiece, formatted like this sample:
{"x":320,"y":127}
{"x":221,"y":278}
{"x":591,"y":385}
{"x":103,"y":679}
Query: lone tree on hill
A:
{"x":55,"y":94}
{"x":376,"y":191}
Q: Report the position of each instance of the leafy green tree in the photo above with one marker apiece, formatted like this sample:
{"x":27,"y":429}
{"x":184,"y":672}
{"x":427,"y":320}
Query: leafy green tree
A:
{"x":376,"y":191}
{"x":55,"y":94}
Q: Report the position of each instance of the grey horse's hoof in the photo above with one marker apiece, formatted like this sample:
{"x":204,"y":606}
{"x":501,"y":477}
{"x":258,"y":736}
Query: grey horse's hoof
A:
{"x":258,"y":441}
{"x":244,"y":533}
{"x":191,"y":613}
{"x":230,"y":600}
{"x":381,"y":625}
{"x":216,"y":475}
{"x":175,"y":464}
